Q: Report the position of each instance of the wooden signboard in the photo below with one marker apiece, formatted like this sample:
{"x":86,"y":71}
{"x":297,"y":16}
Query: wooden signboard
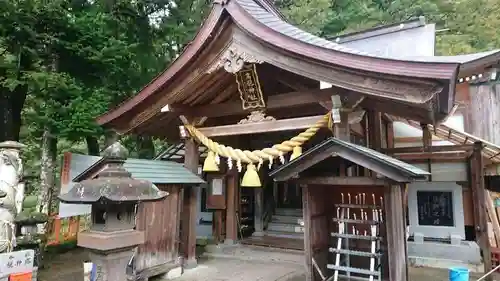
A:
{"x":249,"y":88}
{"x":216,"y":195}
{"x":16,"y":262}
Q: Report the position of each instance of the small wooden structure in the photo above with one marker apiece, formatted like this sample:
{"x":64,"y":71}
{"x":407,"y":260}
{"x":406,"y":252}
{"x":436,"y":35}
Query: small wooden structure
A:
{"x":332,"y":200}
{"x":159,"y":220}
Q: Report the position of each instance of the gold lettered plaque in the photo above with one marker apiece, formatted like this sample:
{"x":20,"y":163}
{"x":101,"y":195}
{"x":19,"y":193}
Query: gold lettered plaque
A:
{"x":249,"y":87}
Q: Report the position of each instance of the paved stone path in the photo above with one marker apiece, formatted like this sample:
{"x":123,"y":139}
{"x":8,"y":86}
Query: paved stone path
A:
{"x":222,"y":269}
{"x":227,"y":264}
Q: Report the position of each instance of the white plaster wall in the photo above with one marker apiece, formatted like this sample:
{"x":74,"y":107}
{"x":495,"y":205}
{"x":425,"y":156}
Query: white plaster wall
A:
{"x":442,"y":172}
{"x":403,"y":130}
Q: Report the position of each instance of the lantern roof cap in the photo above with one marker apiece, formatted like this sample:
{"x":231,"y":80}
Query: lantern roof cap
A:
{"x":11,"y":145}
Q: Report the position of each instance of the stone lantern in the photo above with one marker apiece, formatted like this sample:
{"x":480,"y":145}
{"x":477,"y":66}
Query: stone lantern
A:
{"x":113,"y":195}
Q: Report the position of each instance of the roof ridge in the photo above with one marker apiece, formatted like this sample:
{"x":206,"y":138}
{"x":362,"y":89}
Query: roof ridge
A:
{"x":379,"y":30}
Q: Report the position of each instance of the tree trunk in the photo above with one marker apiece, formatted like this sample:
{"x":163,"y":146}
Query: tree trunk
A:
{"x":11,"y":105}
{"x":47,"y":173}
{"x":92,"y":146}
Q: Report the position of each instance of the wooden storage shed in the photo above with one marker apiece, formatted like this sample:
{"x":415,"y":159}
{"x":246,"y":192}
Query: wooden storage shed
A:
{"x":159,"y":220}
{"x":354,"y":225}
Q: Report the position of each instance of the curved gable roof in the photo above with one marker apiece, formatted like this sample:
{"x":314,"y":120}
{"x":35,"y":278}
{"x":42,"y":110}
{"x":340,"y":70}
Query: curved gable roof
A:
{"x":263,"y":22}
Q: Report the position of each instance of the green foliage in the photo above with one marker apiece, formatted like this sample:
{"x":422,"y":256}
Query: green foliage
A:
{"x":468,"y":26}
{"x":76,"y":59}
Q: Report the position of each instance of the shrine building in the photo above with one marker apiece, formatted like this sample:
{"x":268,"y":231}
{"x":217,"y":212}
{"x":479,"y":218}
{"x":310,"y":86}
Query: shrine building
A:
{"x":334,"y":146}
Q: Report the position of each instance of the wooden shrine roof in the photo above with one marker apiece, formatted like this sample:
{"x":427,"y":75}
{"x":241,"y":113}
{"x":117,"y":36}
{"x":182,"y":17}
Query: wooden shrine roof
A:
{"x":385,"y":165}
{"x":234,"y":21}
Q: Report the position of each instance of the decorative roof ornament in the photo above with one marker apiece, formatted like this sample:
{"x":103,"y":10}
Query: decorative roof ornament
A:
{"x":256,"y":116}
{"x":233,"y":59}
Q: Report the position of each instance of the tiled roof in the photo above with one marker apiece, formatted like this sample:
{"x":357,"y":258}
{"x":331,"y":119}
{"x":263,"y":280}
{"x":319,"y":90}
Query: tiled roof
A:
{"x":283,"y":27}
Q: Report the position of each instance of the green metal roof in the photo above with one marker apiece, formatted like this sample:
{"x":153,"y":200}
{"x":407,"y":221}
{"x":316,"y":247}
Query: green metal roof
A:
{"x":161,"y":172}
{"x":155,"y":171}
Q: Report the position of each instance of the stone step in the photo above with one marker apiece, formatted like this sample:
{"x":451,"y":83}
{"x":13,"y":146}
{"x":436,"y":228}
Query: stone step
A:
{"x":284,"y":227}
{"x":281,"y":234}
{"x":288,"y":212}
{"x":288,"y":219}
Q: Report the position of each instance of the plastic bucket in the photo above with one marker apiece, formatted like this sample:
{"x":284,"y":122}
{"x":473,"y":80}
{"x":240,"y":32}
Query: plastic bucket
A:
{"x":459,"y":274}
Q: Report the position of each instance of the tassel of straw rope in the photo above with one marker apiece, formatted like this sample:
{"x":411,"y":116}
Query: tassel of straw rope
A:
{"x":258,"y":156}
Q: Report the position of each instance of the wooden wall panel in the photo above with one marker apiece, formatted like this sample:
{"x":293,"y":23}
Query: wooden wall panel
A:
{"x":468,"y":206}
{"x":160,"y":222}
{"x":316,"y":234}
{"x":484,"y":113}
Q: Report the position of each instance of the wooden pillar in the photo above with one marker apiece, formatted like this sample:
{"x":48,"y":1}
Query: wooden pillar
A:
{"x":308,"y":251}
{"x":342,"y":130}
{"x":231,"y":202}
{"x":479,"y":200}
{"x":189,"y":194}
{"x":374,"y":129}
{"x":258,"y":211}
{"x":427,"y":143}
{"x":374,"y":133}
{"x":426,"y":137}
{"x":390,"y":134}
{"x":395,"y":230}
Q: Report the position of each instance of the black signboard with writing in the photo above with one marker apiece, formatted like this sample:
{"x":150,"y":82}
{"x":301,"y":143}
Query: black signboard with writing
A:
{"x":435,"y":208}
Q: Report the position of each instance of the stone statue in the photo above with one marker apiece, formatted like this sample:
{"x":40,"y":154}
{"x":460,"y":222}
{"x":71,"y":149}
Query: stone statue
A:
{"x":11,"y":191}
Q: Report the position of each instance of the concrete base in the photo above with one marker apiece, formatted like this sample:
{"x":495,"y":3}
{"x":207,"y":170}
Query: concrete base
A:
{"x":443,"y":264}
{"x":111,"y":265}
{"x":220,"y":248}
{"x":190,"y":263}
{"x":258,"y":233}
{"x":433,"y":254}
{"x":173,"y":273}
{"x":229,"y":242}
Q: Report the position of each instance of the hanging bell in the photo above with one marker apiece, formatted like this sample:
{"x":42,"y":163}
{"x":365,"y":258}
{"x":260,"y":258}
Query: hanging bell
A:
{"x":297,"y":151}
{"x":251,"y":177}
{"x":209,"y":165}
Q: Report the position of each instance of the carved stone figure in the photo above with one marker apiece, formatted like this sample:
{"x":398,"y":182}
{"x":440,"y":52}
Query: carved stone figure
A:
{"x":11,"y":191}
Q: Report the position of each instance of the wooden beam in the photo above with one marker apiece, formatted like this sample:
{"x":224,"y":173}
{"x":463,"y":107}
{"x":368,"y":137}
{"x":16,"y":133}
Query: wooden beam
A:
{"x":343,"y":181}
{"x":290,"y":99}
{"x":261,"y":127}
{"x":441,"y":148}
{"x":433,"y":156}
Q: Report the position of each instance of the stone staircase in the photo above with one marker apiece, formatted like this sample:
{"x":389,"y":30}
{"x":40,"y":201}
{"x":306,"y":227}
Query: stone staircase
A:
{"x":286,"y":223}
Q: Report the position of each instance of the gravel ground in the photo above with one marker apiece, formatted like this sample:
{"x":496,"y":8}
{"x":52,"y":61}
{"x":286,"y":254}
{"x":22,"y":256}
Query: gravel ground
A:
{"x":229,"y":264}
